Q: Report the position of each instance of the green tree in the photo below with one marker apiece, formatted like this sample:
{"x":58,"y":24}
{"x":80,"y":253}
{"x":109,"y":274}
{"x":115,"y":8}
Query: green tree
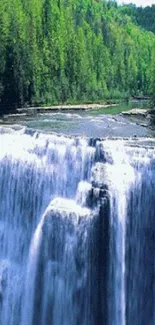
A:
{"x":56,"y":51}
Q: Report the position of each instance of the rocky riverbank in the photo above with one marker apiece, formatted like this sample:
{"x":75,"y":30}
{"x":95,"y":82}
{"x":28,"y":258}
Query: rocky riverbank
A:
{"x":55,"y":108}
{"x":143,"y":117}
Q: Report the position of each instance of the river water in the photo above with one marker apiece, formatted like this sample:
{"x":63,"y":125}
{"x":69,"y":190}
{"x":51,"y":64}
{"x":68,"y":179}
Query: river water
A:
{"x":77,"y":230}
{"x":96,"y":123}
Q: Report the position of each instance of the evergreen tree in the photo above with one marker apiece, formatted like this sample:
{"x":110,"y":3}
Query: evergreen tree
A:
{"x":56,"y":51}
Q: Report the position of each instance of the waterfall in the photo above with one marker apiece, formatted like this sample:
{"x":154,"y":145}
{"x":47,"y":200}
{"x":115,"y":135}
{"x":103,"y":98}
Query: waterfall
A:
{"x":76,"y":230}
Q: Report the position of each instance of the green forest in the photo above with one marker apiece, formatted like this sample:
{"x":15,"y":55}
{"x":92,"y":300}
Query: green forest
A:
{"x":144,"y":17}
{"x":61,"y":51}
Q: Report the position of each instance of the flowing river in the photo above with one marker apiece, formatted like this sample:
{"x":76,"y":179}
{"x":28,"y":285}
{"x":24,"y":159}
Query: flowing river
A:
{"x":77,"y":230}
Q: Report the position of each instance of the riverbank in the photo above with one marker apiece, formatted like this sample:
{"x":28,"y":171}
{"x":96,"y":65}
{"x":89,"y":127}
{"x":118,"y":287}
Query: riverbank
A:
{"x":54,"y":108}
{"x":144,"y":117}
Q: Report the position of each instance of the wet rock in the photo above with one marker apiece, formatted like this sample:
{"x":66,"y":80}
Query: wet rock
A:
{"x":97,"y":197}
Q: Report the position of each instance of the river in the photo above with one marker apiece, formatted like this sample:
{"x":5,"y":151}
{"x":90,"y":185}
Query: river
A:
{"x":103,"y":122}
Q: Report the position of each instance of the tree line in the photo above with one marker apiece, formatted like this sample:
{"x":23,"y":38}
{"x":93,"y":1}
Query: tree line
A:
{"x":144,"y":17}
{"x":56,"y":51}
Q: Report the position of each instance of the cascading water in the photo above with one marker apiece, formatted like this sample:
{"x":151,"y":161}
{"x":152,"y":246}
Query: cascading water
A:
{"x":76,"y":231}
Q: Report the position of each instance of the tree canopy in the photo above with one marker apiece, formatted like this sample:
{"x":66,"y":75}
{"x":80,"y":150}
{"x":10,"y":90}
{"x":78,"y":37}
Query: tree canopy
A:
{"x":144,"y":17}
{"x":56,"y":51}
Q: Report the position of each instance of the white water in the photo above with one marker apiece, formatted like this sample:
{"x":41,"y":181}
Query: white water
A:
{"x":121,"y":177}
{"x":63,"y":259}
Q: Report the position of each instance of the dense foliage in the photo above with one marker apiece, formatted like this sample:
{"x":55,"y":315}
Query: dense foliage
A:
{"x":153,"y":82}
{"x":144,"y":17}
{"x":70,"y":50}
